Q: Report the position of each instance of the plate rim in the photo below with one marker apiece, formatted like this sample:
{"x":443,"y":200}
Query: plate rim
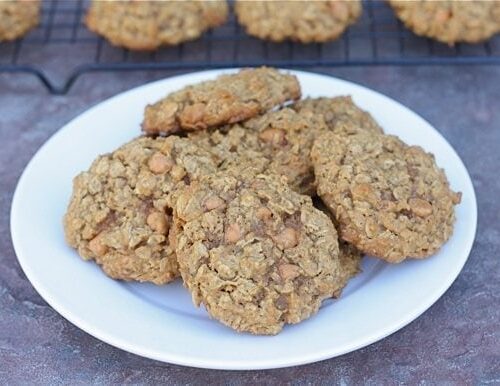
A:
{"x":217,"y":364}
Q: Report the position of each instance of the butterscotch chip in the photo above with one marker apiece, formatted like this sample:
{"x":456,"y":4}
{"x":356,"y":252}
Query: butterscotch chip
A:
{"x":303,"y":21}
{"x":227,"y":99}
{"x":146,"y":25}
{"x":18,"y":17}
{"x":214,"y":202}
{"x":254,"y":273}
{"x":341,"y":114}
{"x":390,"y":200}
{"x":450,"y":22}
{"x":120,"y":212}
{"x":232,"y":234}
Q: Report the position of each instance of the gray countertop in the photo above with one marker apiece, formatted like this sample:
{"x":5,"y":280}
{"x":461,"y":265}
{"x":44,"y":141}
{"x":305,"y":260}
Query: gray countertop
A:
{"x":456,"y":341}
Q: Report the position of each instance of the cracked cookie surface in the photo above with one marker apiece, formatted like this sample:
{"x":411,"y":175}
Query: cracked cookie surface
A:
{"x":390,"y":200}
{"x":302,"y":21}
{"x":147,"y":25}
{"x":18,"y":17}
{"x":255,"y":253}
{"x":228,"y":99}
{"x":450,"y":21}
{"x":120,"y":212}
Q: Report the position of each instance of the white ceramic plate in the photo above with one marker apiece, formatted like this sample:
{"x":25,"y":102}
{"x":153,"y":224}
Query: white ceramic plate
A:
{"x":161,"y":322}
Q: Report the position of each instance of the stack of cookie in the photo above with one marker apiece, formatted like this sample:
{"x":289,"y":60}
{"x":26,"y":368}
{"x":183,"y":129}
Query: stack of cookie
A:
{"x":262,"y":203}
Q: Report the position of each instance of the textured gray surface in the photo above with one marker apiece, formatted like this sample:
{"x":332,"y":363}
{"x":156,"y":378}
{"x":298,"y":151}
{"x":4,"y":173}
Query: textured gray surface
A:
{"x":456,"y":341}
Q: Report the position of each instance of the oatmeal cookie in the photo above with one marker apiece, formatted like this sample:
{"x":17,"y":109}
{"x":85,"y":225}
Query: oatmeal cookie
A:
{"x":227,"y":99}
{"x":18,"y":17}
{"x":390,"y":200}
{"x":450,"y":21}
{"x":341,"y":114}
{"x":302,"y":21}
{"x":255,"y":253}
{"x":286,"y":138}
{"x":120,"y":211}
{"x":277,"y":142}
{"x":146,"y":25}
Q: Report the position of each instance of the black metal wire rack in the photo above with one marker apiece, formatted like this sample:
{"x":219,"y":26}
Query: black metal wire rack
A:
{"x":61,"y":48}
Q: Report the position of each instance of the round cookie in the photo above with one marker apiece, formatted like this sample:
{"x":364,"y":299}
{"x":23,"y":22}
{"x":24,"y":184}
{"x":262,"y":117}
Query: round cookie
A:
{"x":390,"y":200}
{"x":120,"y":211}
{"x":450,"y":21}
{"x":302,"y":21}
{"x":147,"y":25}
{"x":228,"y":99}
{"x":255,"y":253}
{"x":341,"y":114}
{"x":277,"y":142}
{"x":17,"y":17}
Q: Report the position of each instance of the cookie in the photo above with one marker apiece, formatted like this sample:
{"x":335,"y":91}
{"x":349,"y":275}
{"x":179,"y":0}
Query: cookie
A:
{"x":120,"y":212}
{"x":450,"y":22}
{"x":286,"y":138}
{"x":277,"y":142}
{"x":302,"y":21}
{"x":390,"y":200}
{"x":146,"y":25}
{"x":18,"y":17}
{"x":341,"y":114}
{"x":227,"y":99}
{"x":255,"y":253}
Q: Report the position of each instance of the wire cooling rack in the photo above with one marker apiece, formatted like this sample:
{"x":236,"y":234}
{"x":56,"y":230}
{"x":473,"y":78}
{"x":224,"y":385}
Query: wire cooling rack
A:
{"x":61,"y":49}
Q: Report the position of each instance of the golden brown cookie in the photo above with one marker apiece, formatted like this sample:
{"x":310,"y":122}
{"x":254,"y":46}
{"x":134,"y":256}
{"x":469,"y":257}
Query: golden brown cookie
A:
{"x":120,"y":211}
{"x":255,"y":253}
{"x":277,"y":142}
{"x":341,"y":114}
{"x":302,"y":21}
{"x":450,"y":21}
{"x":17,"y":17}
{"x":227,"y":99}
{"x":390,"y":200}
{"x":146,"y":25}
